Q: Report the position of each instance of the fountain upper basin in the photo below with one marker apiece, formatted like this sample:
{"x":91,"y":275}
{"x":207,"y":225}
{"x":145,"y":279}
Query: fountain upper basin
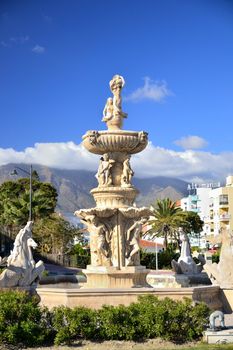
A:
{"x":100,"y":142}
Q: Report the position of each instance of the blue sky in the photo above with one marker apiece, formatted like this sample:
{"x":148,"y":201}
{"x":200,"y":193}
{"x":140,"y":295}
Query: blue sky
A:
{"x":176,"y":56}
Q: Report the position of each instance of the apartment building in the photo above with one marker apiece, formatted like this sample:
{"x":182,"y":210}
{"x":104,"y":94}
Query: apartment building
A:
{"x":220,"y":208}
{"x":199,"y":201}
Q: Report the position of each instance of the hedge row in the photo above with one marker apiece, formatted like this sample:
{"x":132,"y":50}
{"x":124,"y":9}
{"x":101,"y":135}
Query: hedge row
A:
{"x":23,"y":321}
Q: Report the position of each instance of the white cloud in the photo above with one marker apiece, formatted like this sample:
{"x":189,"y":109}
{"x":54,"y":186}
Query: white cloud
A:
{"x":16,"y":40}
{"x":186,"y":165}
{"x":191,"y":142}
{"x":38,"y":49}
{"x":152,"y":90}
{"x":20,"y":39}
{"x":58,"y":155}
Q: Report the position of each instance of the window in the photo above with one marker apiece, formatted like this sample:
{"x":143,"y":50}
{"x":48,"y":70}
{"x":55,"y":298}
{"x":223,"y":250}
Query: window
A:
{"x":223,"y":199}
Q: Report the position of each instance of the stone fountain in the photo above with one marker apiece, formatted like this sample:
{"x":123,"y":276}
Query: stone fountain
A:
{"x":115,"y":224}
{"x":115,"y":275}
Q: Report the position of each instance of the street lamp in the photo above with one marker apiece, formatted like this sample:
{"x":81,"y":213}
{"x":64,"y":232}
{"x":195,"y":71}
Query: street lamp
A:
{"x":29,"y":173}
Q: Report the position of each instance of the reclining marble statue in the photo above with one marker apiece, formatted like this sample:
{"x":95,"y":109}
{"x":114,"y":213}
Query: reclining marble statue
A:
{"x":186,"y":264}
{"x":21,"y":270}
{"x":115,"y":223}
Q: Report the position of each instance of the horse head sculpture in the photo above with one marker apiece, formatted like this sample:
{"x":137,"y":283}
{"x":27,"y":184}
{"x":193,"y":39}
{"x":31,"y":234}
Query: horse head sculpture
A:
{"x":21,"y":268}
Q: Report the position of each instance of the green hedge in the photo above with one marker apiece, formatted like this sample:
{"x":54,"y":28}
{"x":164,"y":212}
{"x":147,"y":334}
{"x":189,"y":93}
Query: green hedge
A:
{"x":22,"y":321}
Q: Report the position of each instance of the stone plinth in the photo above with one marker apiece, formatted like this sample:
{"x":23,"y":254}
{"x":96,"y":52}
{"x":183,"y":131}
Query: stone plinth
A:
{"x":96,"y":298}
{"x":220,"y":337}
{"x":168,"y":280}
{"x":111,"y":277}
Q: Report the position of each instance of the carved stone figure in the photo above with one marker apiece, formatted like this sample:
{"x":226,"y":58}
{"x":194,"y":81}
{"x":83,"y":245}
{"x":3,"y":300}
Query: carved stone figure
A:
{"x":100,"y":240}
{"x":21,"y":269}
{"x":213,"y":317}
{"x":104,"y":175}
{"x":222,"y":273}
{"x":113,"y":113}
{"x":186,"y":264}
{"x":93,"y":135}
{"x":127,"y":173}
{"x":108,"y":111}
{"x":116,"y":85}
{"x":132,"y":239}
{"x":143,"y":137}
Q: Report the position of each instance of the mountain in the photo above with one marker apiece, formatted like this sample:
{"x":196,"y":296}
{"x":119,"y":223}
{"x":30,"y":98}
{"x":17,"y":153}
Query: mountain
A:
{"x":73,"y":186}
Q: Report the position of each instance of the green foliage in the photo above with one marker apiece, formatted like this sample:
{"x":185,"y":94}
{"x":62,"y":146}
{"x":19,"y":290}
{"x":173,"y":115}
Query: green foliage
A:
{"x":80,"y":256}
{"x":167,"y":218}
{"x":216,"y":257}
{"x":192,"y":222}
{"x":164,"y":259}
{"x":14,"y":201}
{"x":148,"y":318}
{"x":22,"y":320}
{"x":54,"y":234}
{"x":70,"y":324}
{"x":173,"y":320}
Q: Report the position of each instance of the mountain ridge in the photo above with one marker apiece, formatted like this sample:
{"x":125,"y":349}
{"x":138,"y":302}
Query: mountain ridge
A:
{"x":73,"y":186}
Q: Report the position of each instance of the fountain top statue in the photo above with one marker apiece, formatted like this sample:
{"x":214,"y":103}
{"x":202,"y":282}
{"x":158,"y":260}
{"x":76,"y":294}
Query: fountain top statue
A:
{"x":115,"y":139}
{"x":112,"y":114}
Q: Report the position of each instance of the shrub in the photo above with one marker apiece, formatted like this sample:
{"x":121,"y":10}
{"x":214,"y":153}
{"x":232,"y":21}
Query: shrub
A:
{"x":177,"y":321}
{"x":119,"y":323}
{"x":70,"y":324}
{"x":22,"y":320}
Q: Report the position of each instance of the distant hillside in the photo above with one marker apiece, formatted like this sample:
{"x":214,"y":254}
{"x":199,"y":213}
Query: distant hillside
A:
{"x":73,"y":186}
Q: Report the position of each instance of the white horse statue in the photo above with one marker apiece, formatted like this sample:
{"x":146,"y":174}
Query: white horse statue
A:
{"x":22,"y":271}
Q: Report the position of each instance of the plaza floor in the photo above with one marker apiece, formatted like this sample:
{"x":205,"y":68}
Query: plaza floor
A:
{"x":153,"y":344}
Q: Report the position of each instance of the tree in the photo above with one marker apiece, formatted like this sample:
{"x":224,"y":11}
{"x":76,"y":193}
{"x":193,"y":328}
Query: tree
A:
{"x":54,"y":234}
{"x":14,"y":206}
{"x":14,"y":201}
{"x":167,"y":217}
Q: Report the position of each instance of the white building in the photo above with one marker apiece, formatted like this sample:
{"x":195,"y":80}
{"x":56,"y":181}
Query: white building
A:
{"x":199,"y":202}
{"x":221,"y":208}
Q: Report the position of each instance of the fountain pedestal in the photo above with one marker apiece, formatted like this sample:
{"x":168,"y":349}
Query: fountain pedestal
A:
{"x":115,"y":224}
{"x":111,"y":277}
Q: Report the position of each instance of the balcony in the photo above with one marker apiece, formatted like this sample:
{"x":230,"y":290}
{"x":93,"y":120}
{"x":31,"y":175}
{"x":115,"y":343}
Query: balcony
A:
{"x":224,"y":217}
{"x":223,"y":204}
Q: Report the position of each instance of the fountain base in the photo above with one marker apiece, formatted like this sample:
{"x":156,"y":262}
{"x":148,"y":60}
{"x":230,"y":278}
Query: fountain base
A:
{"x":111,"y":277}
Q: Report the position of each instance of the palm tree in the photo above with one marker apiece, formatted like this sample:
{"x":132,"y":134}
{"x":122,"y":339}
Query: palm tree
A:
{"x":167,"y":217}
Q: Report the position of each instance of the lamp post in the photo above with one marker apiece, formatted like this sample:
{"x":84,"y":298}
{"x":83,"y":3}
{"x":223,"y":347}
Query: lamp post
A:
{"x":29,"y":173}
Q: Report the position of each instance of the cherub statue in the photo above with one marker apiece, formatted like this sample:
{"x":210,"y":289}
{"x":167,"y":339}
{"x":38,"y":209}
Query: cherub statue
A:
{"x":132,"y":237}
{"x":104,"y":175}
{"x":127,"y":173}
